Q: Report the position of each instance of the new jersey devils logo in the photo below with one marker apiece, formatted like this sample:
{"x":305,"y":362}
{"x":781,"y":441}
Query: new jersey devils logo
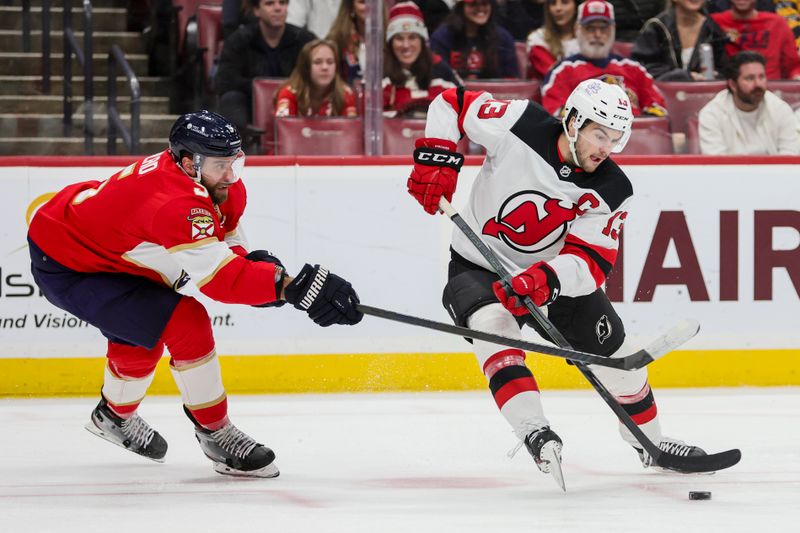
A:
{"x":530,"y":222}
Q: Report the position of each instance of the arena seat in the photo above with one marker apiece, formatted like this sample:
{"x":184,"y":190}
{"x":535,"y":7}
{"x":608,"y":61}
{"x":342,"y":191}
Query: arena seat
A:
{"x":209,"y":35}
{"x":319,"y":136}
{"x":786,"y":90}
{"x":650,"y":136}
{"x":693,"y":135}
{"x":622,"y":48}
{"x":399,"y":135}
{"x":508,"y":89}
{"x":185,"y":10}
{"x":686,"y":98}
{"x":263,"y":119}
{"x":523,"y":62}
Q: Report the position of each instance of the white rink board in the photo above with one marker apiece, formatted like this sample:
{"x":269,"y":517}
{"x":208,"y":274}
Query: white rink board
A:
{"x":360,"y":222}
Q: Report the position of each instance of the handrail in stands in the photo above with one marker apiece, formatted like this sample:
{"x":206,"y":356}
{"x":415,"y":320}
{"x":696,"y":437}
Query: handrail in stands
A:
{"x":45,"y":46}
{"x":84,"y":57}
{"x":116,"y":59}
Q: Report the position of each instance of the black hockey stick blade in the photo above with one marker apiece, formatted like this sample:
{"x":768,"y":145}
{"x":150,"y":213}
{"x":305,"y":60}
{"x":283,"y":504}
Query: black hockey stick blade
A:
{"x":631,"y":362}
{"x":703,"y":463}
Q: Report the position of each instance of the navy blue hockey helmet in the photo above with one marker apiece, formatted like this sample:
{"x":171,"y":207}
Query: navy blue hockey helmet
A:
{"x":204,"y":133}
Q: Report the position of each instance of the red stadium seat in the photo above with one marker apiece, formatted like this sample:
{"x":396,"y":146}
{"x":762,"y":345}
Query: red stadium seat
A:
{"x":186,"y":9}
{"x":650,"y":136}
{"x":522,"y":59}
{"x":786,"y":90}
{"x":264,"y":90}
{"x":686,"y":98}
{"x":693,"y":136}
{"x":399,"y":135}
{"x":209,"y":35}
{"x":319,"y":136}
{"x":622,"y":48}
{"x":508,"y":89}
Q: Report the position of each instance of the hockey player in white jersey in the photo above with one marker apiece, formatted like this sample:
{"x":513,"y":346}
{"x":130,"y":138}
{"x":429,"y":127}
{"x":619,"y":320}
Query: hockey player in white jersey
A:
{"x":550,"y":204}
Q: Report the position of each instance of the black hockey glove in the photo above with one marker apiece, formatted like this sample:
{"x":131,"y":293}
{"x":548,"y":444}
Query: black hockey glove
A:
{"x":326,"y":297}
{"x":267,"y":257}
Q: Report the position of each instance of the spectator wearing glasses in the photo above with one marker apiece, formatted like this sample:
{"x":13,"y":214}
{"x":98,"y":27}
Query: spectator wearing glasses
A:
{"x":473,"y":44}
{"x":315,"y":87}
{"x":746,"y":118}
{"x":556,"y":39}
{"x":413,"y":76}
{"x":595,"y":33}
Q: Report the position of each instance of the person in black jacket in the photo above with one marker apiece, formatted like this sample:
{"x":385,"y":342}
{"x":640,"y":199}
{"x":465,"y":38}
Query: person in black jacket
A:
{"x":660,"y":49}
{"x":267,"y":47}
{"x":632,"y":14}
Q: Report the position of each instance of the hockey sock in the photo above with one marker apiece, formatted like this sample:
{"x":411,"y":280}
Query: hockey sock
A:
{"x":632,"y":392}
{"x":194,"y":364}
{"x":512,"y":384}
{"x":127,"y":376}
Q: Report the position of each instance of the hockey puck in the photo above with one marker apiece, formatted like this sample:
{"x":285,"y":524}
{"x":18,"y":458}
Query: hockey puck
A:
{"x":700,"y":495}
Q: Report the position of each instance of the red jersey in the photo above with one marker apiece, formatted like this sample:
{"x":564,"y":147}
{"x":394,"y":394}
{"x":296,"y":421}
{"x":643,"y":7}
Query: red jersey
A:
{"x":617,"y":70}
{"x":286,"y":105}
{"x":769,"y":35}
{"x":152,"y":220}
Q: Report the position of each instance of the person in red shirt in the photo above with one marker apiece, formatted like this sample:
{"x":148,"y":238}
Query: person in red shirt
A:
{"x":315,"y":87}
{"x":596,"y":31}
{"x":556,"y":38}
{"x":127,"y":253}
{"x":762,"y":32}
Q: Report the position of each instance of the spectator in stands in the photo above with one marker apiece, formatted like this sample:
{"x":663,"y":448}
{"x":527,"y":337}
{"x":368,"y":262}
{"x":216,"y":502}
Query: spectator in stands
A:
{"x":765,"y":33}
{"x":520,"y":17}
{"x":315,"y":87}
{"x":268,"y":47}
{"x":746,"y":118}
{"x":556,"y":39}
{"x":472,"y":43}
{"x":347,"y":32}
{"x":433,"y":12}
{"x":632,"y":14}
{"x":236,"y":13}
{"x":595,"y":33}
{"x":413,"y":76}
{"x":669,"y":44}
{"x":316,"y":16}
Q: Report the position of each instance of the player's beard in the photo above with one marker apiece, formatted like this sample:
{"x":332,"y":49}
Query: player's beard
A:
{"x":217,"y":195}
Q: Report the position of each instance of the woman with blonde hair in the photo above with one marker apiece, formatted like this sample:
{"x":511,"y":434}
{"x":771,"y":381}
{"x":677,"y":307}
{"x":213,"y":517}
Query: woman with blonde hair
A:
{"x":315,"y":87}
{"x":347,"y":31}
{"x":556,"y":39}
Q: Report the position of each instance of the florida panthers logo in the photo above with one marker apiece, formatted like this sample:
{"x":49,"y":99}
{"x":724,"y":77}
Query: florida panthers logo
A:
{"x":530,"y":222}
{"x":202,"y":223}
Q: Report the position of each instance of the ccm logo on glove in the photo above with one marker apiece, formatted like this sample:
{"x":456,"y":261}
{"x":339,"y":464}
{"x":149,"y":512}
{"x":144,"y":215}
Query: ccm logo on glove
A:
{"x":435,"y":172}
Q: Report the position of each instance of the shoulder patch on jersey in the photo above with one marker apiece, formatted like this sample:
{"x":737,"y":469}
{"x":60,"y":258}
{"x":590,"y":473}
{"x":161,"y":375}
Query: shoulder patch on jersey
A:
{"x":201,"y":222}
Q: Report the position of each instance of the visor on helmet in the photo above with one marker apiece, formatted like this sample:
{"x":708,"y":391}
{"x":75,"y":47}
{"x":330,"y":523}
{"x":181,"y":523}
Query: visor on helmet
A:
{"x":217,"y":168}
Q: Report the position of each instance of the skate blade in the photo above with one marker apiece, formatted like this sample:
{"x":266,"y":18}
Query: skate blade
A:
{"x":551,"y":455}
{"x":266,"y":472}
{"x":91,"y":428}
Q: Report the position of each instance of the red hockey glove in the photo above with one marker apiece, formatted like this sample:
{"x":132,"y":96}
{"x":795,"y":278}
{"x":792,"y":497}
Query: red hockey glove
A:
{"x":540,"y":282}
{"x":436,"y":167}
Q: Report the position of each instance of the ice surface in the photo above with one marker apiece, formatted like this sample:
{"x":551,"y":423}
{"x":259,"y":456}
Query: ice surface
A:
{"x":416,"y":463}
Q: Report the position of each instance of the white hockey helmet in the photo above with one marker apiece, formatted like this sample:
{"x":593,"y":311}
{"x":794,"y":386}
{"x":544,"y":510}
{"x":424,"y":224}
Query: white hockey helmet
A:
{"x":600,"y":102}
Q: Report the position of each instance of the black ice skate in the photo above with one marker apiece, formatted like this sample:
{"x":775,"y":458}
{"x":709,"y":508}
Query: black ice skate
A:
{"x":673,"y":446}
{"x":132,"y":433}
{"x":233,"y":452}
{"x":545,"y":447}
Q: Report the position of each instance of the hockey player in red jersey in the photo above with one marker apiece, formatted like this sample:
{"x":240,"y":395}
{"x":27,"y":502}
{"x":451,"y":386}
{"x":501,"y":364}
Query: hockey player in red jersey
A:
{"x":123,"y":253}
{"x":550,"y":204}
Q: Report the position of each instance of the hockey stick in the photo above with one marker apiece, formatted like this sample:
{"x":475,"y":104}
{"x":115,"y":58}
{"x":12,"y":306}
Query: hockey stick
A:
{"x":659,"y":347}
{"x":705,"y":463}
